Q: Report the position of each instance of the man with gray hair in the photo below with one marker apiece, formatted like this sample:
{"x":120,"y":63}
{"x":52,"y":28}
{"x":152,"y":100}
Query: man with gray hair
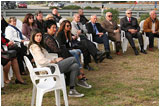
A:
{"x":151,"y":27}
{"x":131,"y":27}
{"x":79,"y":31}
{"x":99,"y":34}
{"x":113,"y":30}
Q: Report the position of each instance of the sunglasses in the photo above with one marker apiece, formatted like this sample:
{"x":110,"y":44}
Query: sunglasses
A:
{"x":110,"y":16}
{"x":31,"y":18}
{"x":68,"y":25}
{"x":129,"y":13}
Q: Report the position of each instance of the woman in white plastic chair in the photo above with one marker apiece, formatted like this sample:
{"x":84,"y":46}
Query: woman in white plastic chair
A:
{"x":65,"y":65}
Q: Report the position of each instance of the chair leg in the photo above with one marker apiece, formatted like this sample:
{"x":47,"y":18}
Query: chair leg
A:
{"x":124,"y":45}
{"x":39,"y":98}
{"x":65,"y":97}
{"x":33,"y":95}
{"x":57,"y":96}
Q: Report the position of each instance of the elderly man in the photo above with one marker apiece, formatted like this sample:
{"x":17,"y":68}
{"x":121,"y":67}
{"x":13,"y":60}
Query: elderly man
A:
{"x":79,"y":31}
{"x":83,"y":19}
{"x":112,"y":28}
{"x":131,"y":27}
{"x":39,"y":20}
{"x":151,"y":27}
{"x":99,"y":34}
{"x":56,"y":15}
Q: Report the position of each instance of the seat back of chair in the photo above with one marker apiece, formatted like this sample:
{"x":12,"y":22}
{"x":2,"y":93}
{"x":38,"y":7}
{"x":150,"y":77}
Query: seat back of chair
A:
{"x":57,"y":71}
{"x":141,"y":25}
{"x":30,"y":69}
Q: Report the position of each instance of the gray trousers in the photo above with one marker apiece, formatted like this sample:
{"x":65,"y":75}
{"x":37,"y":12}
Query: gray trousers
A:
{"x":70,"y":65}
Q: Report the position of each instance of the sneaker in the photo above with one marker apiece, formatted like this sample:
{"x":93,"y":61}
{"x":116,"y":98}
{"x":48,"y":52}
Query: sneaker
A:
{"x":74,"y":93}
{"x":83,"y":84}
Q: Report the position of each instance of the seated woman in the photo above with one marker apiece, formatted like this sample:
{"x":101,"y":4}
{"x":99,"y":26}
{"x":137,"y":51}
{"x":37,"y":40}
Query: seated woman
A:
{"x":20,"y":52}
{"x":28,"y":25}
{"x":52,"y":45}
{"x":7,"y":63}
{"x":65,"y":65}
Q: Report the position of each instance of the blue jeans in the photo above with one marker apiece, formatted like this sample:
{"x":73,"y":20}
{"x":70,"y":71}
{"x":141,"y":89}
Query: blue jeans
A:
{"x":76,"y":53}
{"x":103,"y":40}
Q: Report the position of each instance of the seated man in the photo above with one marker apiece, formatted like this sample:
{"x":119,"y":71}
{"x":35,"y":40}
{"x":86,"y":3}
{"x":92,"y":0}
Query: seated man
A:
{"x":39,"y":20}
{"x":151,"y":27}
{"x":131,"y":27}
{"x":79,"y":31}
{"x":83,"y":19}
{"x":113,"y":30}
{"x":99,"y":34}
{"x":56,"y":15}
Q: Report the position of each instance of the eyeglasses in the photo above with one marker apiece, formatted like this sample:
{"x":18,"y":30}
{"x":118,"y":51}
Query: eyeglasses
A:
{"x":110,"y":16}
{"x":129,"y":13}
{"x":68,"y":25}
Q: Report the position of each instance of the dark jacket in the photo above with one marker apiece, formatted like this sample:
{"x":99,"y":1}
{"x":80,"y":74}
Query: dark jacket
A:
{"x":125,"y":24}
{"x":83,"y":19}
{"x":57,"y":18}
{"x":4,"y":24}
{"x":40,"y":25}
{"x":91,"y":30}
{"x":50,"y":44}
{"x":62,"y":40}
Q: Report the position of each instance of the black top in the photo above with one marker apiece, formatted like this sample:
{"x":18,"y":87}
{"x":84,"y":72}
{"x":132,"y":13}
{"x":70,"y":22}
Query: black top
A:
{"x":83,"y":19}
{"x":41,"y":25}
{"x":62,"y":40}
{"x":57,"y":18}
{"x":4,"y":24}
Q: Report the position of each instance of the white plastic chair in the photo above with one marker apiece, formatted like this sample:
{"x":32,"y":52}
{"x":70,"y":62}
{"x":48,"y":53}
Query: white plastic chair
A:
{"x":89,"y":36}
{"x":124,"y":41}
{"x":19,"y":24}
{"x":2,"y":79}
{"x":46,"y":82}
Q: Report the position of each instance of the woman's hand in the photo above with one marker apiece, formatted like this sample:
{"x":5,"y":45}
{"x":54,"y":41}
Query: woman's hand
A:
{"x":59,"y":59}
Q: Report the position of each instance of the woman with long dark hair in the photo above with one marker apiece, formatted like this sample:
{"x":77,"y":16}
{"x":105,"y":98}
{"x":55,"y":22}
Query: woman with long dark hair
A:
{"x":28,"y":25}
{"x":43,"y":58}
{"x":64,"y":38}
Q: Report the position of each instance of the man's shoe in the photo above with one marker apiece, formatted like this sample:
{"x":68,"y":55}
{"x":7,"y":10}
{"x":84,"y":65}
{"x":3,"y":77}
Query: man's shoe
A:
{"x":118,"y":53}
{"x":150,"y":49}
{"x":136,"y":52}
{"x":143,"y":51}
{"x":84,"y":84}
{"x":89,"y":68}
{"x":108,"y":56}
{"x":74,"y":93}
{"x":99,"y":56}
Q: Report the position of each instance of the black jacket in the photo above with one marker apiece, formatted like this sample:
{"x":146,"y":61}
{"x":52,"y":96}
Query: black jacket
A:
{"x":125,"y":24}
{"x":41,"y":25}
{"x":57,"y":18}
{"x":83,"y":19}
{"x":91,"y":30}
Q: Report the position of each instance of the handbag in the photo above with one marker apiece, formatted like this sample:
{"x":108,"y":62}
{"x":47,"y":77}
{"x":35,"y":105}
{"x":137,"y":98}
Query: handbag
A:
{"x":10,"y":54}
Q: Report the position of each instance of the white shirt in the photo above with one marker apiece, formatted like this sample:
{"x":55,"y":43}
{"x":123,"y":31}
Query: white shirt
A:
{"x":12,"y":34}
{"x":153,"y":26}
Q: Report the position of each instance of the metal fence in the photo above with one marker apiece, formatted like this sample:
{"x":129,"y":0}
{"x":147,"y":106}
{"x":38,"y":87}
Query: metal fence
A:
{"x":66,"y":13}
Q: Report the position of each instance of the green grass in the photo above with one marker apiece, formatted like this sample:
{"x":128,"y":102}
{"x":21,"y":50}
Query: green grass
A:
{"x":127,"y":80}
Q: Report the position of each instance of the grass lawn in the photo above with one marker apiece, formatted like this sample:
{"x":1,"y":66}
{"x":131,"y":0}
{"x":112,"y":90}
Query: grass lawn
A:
{"x":127,"y":80}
